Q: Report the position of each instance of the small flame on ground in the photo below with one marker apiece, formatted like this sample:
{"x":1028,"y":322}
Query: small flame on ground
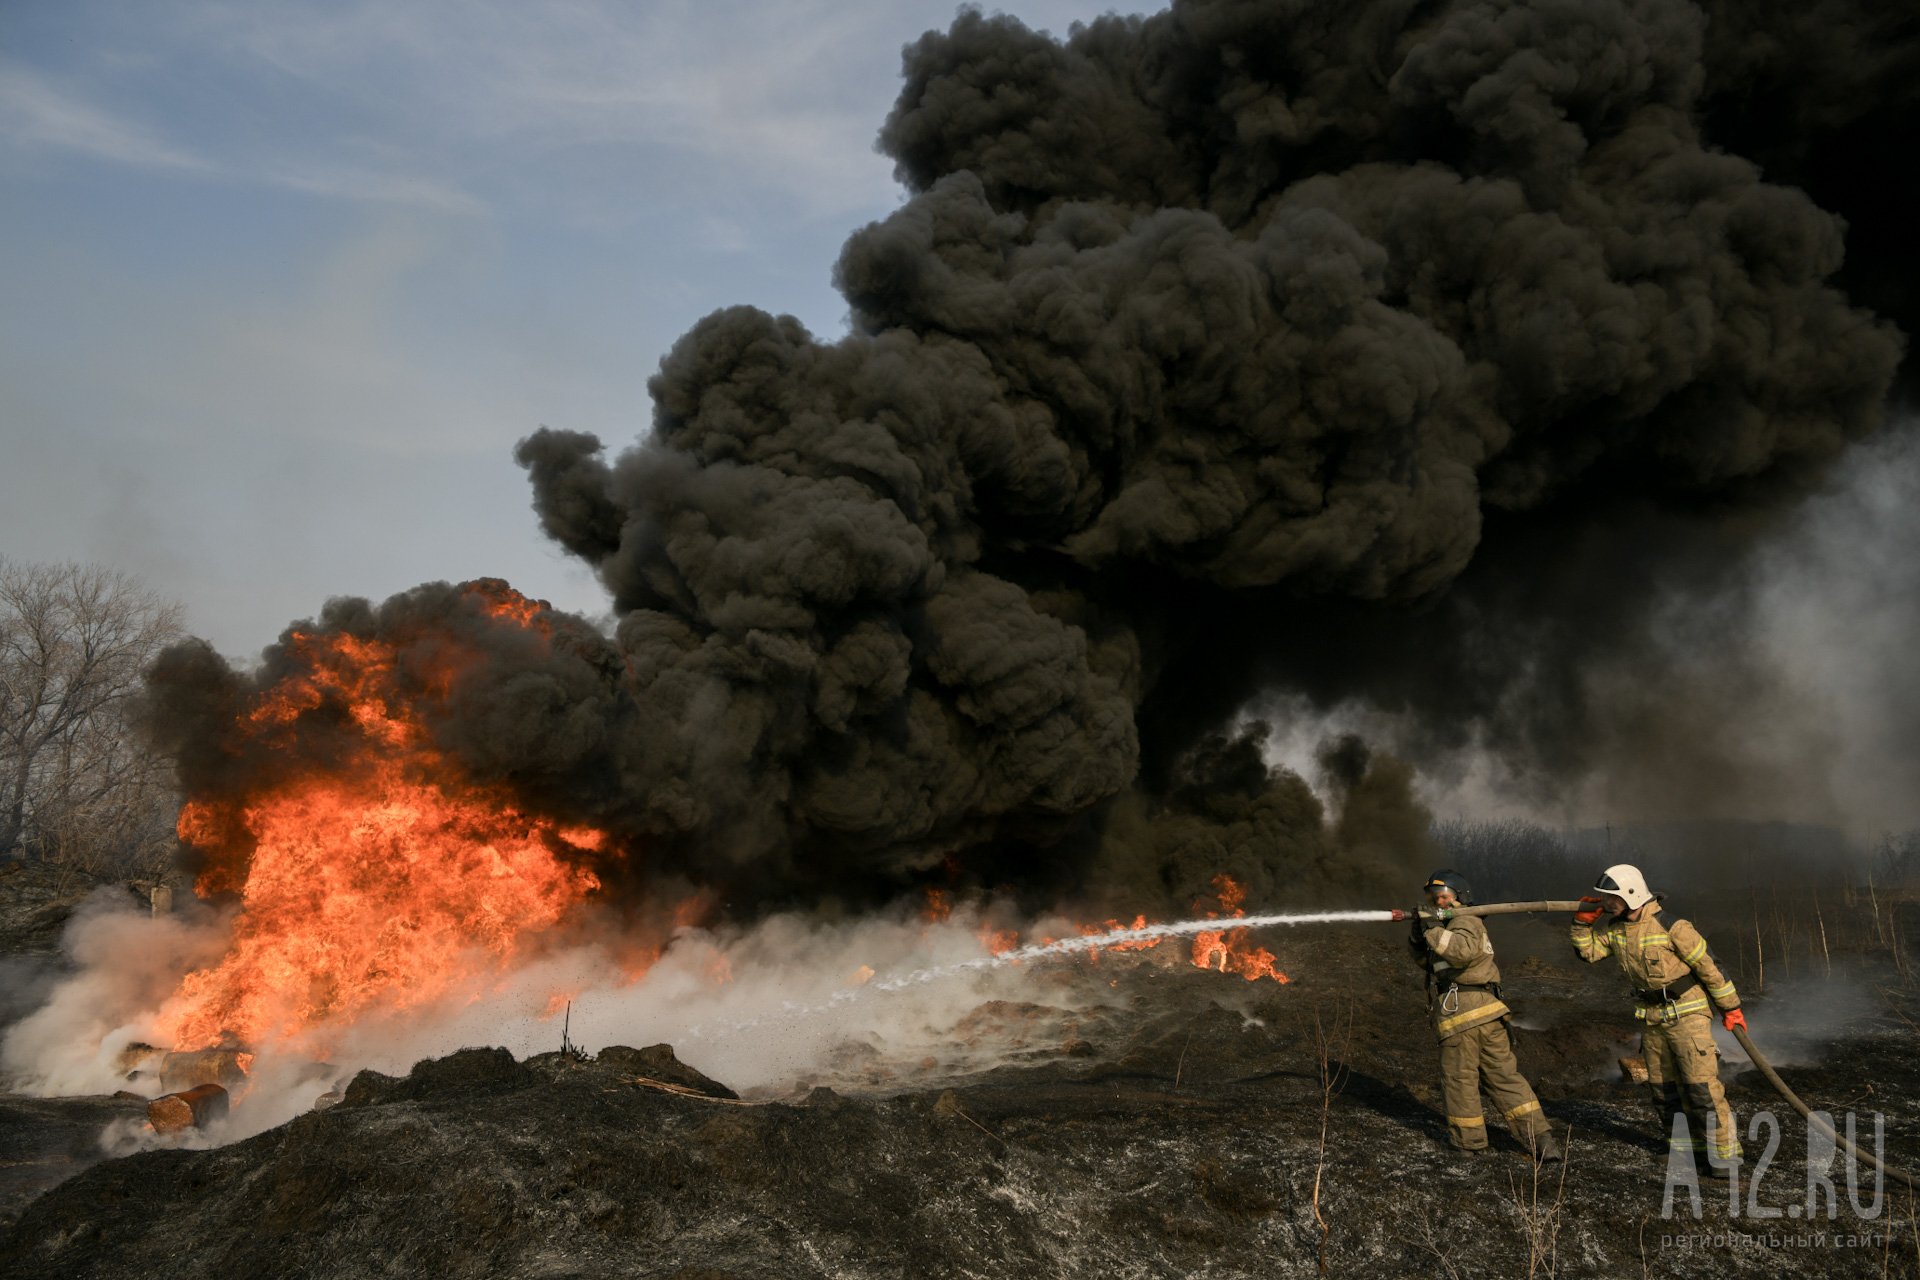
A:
{"x":999,"y":942}
{"x":1231,"y":947}
{"x":1002,"y":951}
{"x":1112,"y":926}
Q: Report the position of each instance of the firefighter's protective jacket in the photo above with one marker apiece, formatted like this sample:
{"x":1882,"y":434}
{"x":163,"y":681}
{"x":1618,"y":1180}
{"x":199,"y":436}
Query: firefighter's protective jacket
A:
{"x":1672,"y":972}
{"x":1459,"y":955}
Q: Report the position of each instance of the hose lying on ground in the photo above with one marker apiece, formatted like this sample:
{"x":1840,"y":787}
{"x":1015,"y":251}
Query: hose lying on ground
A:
{"x":1739,"y":1033}
{"x":1780,"y":1087}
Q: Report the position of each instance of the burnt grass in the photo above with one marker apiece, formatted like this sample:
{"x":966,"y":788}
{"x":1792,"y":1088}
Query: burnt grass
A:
{"x":1159,"y":1121}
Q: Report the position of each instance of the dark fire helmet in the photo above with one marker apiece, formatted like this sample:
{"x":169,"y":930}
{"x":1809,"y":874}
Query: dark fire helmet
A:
{"x":1453,"y":881}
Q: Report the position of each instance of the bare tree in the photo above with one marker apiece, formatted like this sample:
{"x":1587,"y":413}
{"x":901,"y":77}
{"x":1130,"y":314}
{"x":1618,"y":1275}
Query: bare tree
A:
{"x":1332,"y":1047}
{"x":77,"y":784}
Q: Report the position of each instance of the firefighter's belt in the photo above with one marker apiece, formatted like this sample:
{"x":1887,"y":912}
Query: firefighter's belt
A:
{"x":1669,"y":994}
{"x":1493,"y":988}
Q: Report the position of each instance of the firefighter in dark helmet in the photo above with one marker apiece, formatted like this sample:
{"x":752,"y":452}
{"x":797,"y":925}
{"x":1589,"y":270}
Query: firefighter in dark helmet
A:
{"x":1471,"y":1022}
{"x":1677,"y":988}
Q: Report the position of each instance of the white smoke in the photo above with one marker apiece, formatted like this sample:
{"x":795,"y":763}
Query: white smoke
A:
{"x":1837,"y":607}
{"x":790,"y":1003}
{"x":126,"y":963}
{"x":1791,"y":692}
{"x":1797,"y":1022}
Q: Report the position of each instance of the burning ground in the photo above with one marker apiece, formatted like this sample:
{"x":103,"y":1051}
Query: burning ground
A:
{"x":1149,"y":1118}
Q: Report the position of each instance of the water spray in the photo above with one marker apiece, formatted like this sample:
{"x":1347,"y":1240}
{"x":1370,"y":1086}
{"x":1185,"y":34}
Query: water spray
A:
{"x":1145,"y":933}
{"x":1189,"y":928}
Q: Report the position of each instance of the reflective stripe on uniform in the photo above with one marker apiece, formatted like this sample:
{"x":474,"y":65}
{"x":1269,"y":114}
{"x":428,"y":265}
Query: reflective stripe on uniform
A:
{"x":1644,"y":1012}
{"x":1443,"y":942}
{"x":1652,"y":940}
{"x":1699,"y":949}
{"x":1525,"y":1108}
{"x":1465,"y":1122}
{"x":1720,"y":993}
{"x":1484,"y":1013}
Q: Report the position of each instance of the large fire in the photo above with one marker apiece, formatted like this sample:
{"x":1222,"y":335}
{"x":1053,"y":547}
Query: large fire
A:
{"x":386,"y":878}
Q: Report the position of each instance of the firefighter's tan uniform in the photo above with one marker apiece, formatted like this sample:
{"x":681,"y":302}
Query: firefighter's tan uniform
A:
{"x":1471,"y":1023}
{"x":1676,"y":987}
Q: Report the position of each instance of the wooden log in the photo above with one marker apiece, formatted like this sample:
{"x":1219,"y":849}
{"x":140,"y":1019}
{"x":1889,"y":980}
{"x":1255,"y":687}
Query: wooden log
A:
{"x":196,"y":1108}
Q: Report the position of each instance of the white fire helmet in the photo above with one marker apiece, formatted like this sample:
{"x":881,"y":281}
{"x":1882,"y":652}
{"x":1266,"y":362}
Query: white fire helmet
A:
{"x":1625,"y":883}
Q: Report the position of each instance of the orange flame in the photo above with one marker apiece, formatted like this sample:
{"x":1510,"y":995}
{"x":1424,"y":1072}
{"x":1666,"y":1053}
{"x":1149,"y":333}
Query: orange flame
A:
{"x":1229,"y":947}
{"x":382,"y":881}
{"x":999,"y":941}
{"x":939,"y":906}
{"x":1114,"y":926}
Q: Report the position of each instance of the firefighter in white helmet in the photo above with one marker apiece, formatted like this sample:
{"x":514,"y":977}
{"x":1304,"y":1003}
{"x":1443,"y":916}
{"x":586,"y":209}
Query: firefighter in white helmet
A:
{"x":1471,"y":1020}
{"x":1676,"y":986}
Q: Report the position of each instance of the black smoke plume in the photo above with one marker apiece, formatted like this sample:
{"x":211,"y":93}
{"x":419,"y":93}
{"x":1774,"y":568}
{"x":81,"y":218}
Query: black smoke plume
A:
{"x":1378,"y":350}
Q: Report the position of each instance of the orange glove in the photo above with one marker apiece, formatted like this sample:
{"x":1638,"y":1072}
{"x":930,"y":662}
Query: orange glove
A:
{"x":1734,"y":1019}
{"x":1588,"y":914}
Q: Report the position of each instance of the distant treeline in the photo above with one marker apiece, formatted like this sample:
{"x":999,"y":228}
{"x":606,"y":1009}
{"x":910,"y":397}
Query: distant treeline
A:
{"x":1513,"y":860}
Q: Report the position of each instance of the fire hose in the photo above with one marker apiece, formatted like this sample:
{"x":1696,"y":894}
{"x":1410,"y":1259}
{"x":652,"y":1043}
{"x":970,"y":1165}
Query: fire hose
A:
{"x":1739,"y":1033}
{"x":1780,"y":1087}
{"x":1492,"y":909}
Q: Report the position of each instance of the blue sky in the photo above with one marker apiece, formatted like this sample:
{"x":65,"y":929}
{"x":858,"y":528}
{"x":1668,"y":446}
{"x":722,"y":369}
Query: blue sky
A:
{"x":285,"y":281}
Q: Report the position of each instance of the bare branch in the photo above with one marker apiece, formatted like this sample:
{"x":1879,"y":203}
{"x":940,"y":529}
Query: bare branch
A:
{"x":76,"y":782}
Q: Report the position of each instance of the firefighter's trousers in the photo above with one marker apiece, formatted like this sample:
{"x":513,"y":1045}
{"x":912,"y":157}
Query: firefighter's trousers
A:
{"x":1683,"y":1075}
{"x":1479,"y":1057}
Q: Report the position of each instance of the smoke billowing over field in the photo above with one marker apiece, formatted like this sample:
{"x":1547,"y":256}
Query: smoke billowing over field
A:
{"x":1262,"y":427}
{"x":1424,"y":359}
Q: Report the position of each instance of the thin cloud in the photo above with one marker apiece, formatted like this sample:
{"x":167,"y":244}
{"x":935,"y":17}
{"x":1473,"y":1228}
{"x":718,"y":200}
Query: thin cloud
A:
{"x":783,"y":94}
{"x":444,"y":104}
{"x":374,"y":187}
{"x":33,"y":113}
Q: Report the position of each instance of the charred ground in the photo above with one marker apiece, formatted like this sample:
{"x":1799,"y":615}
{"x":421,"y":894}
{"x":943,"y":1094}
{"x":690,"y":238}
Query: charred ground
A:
{"x":1153,"y":1120}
